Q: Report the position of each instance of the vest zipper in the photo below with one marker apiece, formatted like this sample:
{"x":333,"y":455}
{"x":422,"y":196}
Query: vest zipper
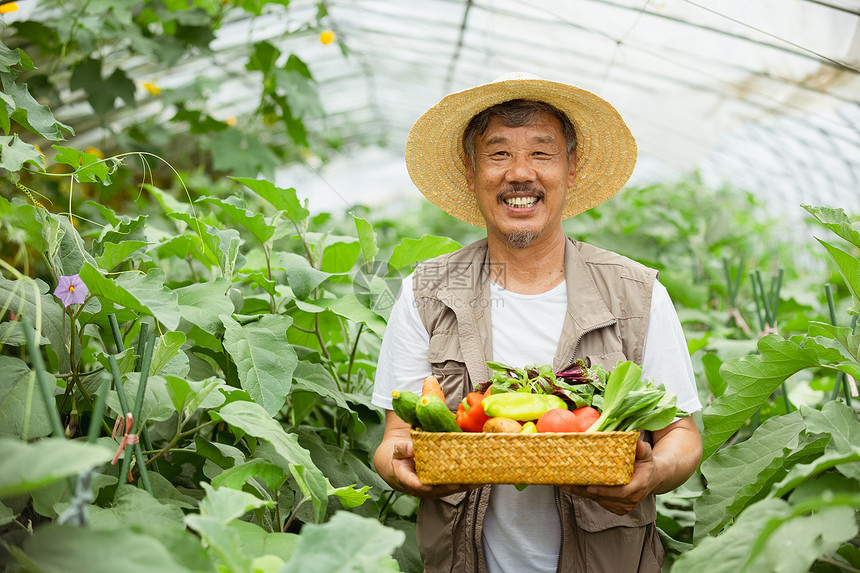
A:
{"x":560,"y":531}
{"x":589,"y":331}
{"x":476,"y":543}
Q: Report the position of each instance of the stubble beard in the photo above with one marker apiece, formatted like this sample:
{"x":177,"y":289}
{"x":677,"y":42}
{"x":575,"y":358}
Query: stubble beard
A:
{"x":521,"y":239}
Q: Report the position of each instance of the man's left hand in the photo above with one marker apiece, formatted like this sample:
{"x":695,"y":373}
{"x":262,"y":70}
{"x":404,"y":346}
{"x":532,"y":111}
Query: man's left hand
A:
{"x":669,"y":463}
{"x":621,"y":499}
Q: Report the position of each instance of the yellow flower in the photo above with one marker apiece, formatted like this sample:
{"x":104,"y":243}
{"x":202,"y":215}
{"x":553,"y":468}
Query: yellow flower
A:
{"x":151,"y":88}
{"x":96,"y":152}
{"x":327,"y":37}
{"x":10,"y":7}
{"x":231,"y":121}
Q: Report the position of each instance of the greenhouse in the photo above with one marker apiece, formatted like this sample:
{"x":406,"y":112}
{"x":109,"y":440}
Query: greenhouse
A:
{"x":231,"y":228}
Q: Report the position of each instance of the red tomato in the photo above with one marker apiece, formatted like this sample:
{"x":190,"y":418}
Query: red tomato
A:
{"x":586,"y":416}
{"x":558,"y":420}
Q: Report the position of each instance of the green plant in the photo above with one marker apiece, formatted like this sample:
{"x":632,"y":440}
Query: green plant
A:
{"x":786,"y":497}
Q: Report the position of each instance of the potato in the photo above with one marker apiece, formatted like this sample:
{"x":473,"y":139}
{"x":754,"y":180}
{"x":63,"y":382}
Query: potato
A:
{"x":502,"y":425}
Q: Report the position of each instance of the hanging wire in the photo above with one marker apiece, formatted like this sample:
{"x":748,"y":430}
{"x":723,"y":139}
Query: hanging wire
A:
{"x":838,"y":63}
{"x":621,"y":41}
{"x":834,"y":7}
{"x":449,"y":77}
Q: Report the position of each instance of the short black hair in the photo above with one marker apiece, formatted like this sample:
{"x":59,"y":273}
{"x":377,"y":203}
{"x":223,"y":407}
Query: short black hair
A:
{"x":516,"y":113}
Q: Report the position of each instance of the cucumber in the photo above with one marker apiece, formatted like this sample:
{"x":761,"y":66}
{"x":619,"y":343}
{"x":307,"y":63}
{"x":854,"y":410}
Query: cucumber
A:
{"x":404,"y":404}
{"x":434,"y":415}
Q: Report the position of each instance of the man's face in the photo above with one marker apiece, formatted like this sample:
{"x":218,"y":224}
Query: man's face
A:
{"x":520,"y":179}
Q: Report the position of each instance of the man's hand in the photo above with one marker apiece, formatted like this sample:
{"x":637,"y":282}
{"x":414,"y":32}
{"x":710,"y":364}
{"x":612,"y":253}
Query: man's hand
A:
{"x":673,"y":459}
{"x":395,"y":462}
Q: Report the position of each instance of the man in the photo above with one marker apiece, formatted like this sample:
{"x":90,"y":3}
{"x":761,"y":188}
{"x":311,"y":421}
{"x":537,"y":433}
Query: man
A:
{"x":518,"y":156}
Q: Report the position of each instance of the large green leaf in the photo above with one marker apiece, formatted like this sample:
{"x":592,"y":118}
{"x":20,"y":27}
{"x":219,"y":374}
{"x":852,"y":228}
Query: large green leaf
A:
{"x":220,"y":247}
{"x":270,"y":474}
{"x":340,"y":256}
{"x":804,"y":472}
{"x":135,"y":507}
{"x":837,"y":221}
{"x":30,"y":113}
{"x":88,"y":167}
{"x":65,"y":248}
{"x":80,"y":550}
{"x":411,"y":251}
{"x":793,"y":540}
{"x":115,"y":253}
{"x":254,"y":222}
{"x":167,"y":350}
{"x":301,"y":276}
{"x":189,"y":395}
{"x":125,"y":229}
{"x":256,"y":541}
{"x":347,"y":306}
{"x":29,"y":466}
{"x":252,"y":419}
{"x":223,"y":541}
{"x":368,"y":552}
{"x":839,"y":421}
{"x":743,"y":473}
{"x":14,"y":153}
{"x":101,"y":92}
{"x":202,"y":304}
{"x":727,"y":553}
{"x":136,"y":510}
{"x":366,"y":239}
{"x":313,"y":377}
{"x":144,"y":293}
{"x":22,"y":412}
{"x":849,"y":268}
{"x":750,"y":380}
{"x":242,"y":152}
{"x":263,"y":357}
{"x":29,"y":298}
{"x":226,"y":504}
{"x":157,"y":404}
{"x":283,"y":199}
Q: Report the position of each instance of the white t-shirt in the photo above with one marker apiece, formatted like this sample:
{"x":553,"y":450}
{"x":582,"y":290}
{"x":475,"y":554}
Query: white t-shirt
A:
{"x":521,"y":528}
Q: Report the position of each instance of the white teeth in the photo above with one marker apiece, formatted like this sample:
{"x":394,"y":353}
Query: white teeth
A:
{"x":520,"y":202}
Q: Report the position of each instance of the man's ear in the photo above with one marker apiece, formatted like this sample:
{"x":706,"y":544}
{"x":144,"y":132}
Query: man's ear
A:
{"x":571,"y":179}
{"x":470,"y":175}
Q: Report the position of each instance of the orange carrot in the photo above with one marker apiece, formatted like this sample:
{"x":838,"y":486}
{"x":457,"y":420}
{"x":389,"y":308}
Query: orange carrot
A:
{"x":431,"y":388}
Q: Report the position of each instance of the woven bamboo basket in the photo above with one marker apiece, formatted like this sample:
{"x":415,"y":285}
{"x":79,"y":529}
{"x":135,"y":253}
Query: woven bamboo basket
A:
{"x":598,"y":458}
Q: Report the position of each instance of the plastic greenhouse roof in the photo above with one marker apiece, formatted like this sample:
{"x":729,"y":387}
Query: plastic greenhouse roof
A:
{"x":762,"y":94}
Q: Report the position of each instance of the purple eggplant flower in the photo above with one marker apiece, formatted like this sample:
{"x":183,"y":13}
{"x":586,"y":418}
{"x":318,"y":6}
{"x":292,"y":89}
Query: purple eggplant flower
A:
{"x":71,"y":290}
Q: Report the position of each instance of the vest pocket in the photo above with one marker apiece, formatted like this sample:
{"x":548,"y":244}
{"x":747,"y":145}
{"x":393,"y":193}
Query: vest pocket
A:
{"x":447,"y":364}
{"x":441,"y":531}
{"x":607,"y":361}
{"x":591,"y":517}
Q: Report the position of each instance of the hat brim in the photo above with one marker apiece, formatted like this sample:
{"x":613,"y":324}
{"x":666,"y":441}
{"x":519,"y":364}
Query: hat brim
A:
{"x":605,"y":148}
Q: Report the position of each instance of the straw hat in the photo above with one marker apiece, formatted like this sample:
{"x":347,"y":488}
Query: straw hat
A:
{"x":605,"y":148}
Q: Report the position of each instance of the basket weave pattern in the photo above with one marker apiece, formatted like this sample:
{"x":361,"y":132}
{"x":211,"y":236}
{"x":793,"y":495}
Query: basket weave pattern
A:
{"x":599,"y":458}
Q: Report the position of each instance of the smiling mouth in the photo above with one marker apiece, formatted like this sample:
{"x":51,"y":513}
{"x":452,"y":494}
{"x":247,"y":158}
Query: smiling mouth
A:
{"x":520,"y":202}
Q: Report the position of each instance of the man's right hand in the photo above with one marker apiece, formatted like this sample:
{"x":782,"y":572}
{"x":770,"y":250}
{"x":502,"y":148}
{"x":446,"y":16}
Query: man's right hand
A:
{"x":395,"y":462}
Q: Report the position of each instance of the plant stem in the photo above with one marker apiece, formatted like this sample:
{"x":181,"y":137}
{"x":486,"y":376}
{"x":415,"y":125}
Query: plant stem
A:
{"x":178,"y":437}
{"x":319,"y":336}
{"x":293,"y":513}
{"x":352,"y":355}
{"x":840,"y":564}
{"x":269,"y":274}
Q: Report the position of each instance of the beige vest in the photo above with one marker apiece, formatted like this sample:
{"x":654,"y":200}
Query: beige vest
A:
{"x":608,"y":305}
